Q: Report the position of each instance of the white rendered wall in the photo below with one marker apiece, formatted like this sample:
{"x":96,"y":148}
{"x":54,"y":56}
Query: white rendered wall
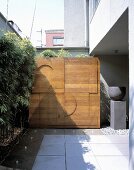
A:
{"x":75,"y":23}
{"x":131,"y":83}
{"x":107,"y":13}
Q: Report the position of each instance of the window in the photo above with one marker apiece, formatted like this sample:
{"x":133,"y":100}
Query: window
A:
{"x":58,"y":41}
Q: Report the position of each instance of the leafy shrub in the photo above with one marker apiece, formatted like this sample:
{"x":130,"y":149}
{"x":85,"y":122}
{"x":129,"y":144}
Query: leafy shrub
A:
{"x":16,"y":76}
{"x":48,"y":53}
{"x":51,"y":53}
{"x":63,"y":53}
{"x":82,"y":55}
{"x":104,"y":102}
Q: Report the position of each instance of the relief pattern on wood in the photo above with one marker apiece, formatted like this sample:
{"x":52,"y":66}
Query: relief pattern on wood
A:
{"x":67,"y":94}
{"x":49,"y":76}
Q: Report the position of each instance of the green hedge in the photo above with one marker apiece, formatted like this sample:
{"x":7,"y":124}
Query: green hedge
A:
{"x":16,"y":76}
{"x":48,"y":53}
{"x":51,"y":53}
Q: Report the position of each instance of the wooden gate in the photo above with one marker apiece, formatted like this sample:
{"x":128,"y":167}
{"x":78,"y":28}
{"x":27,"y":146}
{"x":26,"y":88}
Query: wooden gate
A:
{"x":66,"y":93}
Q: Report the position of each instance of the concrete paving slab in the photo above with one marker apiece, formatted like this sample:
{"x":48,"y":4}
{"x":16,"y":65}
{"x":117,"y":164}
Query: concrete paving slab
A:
{"x":109,"y":139}
{"x":54,"y":132}
{"x":52,"y":149}
{"x":118,"y":138}
{"x":6,"y":168}
{"x":74,"y":132}
{"x":78,"y":149}
{"x":53,"y":139}
{"x":69,"y":149}
{"x":92,"y":132}
{"x":110,"y":149}
{"x":77,"y":138}
{"x":23,"y":162}
{"x":83,"y":132}
{"x":113,"y":162}
{"x":49,"y":163}
{"x":82,"y":163}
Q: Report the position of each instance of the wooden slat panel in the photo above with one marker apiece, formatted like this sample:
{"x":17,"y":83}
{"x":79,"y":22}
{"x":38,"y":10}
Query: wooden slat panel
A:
{"x":51,"y":108}
{"x":81,"y":75}
{"x":66,"y":93}
{"x":49,"y":76}
{"x":58,"y":74}
{"x":34,"y":110}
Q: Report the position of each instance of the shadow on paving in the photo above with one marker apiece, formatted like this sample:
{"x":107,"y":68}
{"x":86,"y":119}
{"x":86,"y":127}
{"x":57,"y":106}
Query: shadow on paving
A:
{"x":24,"y":153}
{"x":61,"y":149}
{"x":65,"y":149}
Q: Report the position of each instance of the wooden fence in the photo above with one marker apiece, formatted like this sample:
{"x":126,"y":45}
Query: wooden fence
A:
{"x":66,"y":93}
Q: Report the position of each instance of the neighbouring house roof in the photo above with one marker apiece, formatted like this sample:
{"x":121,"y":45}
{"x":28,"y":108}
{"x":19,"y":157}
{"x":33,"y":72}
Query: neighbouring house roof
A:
{"x":10,"y":25}
{"x":54,"y":31}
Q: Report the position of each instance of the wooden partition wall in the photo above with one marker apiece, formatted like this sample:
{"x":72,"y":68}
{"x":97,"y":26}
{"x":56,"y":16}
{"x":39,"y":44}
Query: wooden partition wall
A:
{"x":66,"y":93}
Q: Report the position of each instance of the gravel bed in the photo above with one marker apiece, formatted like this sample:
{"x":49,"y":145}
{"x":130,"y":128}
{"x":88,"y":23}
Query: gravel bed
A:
{"x":110,"y":131}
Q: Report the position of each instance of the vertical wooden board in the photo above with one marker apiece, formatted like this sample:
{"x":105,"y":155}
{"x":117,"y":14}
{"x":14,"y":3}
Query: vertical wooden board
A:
{"x":78,"y":105}
{"x":93,"y":74}
{"x":34,"y":110}
{"x":58,"y":73}
{"x":40,"y":61}
{"x":51,"y":108}
{"x":76,"y":75}
{"x":81,"y":75}
{"x":49,"y":76}
{"x":48,"y":109}
{"x":95,"y":108}
{"x":43,"y":80}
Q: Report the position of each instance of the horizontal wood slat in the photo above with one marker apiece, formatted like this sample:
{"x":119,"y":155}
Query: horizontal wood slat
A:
{"x":66,"y":93}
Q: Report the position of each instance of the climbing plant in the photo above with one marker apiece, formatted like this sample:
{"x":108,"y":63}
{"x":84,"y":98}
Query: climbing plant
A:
{"x":63,"y":53}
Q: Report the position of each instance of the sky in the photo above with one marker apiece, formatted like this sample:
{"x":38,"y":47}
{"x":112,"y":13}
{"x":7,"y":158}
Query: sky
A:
{"x":49,"y":14}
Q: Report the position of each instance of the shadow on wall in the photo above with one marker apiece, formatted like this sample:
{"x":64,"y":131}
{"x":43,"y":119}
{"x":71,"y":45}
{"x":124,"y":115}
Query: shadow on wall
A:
{"x":62,"y":100}
{"x":48,"y":104}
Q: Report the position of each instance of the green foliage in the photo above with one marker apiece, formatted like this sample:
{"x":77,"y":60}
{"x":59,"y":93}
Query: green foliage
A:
{"x":105,"y":101}
{"x":16,"y":74}
{"x":51,"y":53}
{"x":48,"y":53}
{"x":63,"y":53}
{"x":82,"y":55}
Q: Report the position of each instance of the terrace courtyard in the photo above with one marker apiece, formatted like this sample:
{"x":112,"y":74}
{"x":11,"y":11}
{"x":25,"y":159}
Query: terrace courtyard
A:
{"x":68,"y":149}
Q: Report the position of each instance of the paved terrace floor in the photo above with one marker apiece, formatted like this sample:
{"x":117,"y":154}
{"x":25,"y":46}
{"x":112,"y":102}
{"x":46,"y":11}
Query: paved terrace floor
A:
{"x":69,"y":149}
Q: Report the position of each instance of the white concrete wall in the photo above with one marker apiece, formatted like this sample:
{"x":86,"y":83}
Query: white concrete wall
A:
{"x":131,"y":83}
{"x":75,"y":23}
{"x":107,"y":13}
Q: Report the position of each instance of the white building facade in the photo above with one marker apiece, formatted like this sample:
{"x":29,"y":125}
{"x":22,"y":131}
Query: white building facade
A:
{"x":109,"y":25}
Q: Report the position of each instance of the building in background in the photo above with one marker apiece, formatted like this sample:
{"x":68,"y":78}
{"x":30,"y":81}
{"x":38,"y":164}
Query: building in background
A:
{"x":10,"y":26}
{"x":54,"y":38}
